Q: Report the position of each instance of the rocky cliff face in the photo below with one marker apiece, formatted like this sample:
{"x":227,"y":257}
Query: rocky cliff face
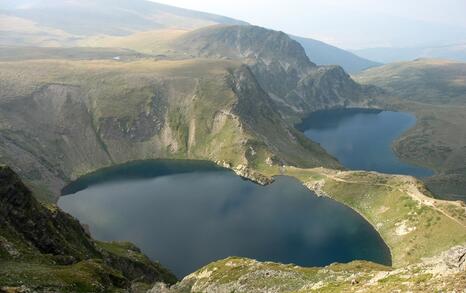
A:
{"x":46,"y":229}
{"x":281,"y":67}
{"x":37,"y":239}
{"x":62,"y":119}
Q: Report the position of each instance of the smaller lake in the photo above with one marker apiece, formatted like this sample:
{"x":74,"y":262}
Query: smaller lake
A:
{"x":361,"y":139}
{"x":187,"y":214}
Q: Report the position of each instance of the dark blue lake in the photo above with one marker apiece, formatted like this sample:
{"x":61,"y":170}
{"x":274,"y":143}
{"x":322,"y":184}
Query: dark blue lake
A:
{"x":186,"y":214}
{"x":361,"y":139}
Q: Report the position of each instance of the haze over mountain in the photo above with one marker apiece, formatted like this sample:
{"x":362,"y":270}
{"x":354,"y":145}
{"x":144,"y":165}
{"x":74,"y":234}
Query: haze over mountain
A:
{"x":325,"y":54}
{"x":119,"y":17}
{"x":351,"y":24}
{"x":139,"y":25}
{"x":381,"y":31}
{"x":389,"y":54}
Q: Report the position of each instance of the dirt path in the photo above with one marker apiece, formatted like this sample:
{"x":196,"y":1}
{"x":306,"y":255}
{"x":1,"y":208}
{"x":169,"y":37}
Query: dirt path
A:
{"x":412,"y":191}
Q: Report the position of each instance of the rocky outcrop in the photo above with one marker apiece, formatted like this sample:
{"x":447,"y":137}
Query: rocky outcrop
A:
{"x":455,"y":259}
{"x":295,"y":84}
{"x":248,"y":173}
{"x":46,"y":238}
{"x":47,"y":229}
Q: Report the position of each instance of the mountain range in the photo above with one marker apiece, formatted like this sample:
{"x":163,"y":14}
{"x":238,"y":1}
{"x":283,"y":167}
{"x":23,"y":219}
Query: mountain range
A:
{"x":77,"y":96}
{"x":59,"y":23}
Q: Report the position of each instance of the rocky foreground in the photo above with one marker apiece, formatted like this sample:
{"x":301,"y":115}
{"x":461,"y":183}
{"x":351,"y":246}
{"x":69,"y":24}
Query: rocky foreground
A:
{"x":443,"y":273}
{"x":43,"y":249}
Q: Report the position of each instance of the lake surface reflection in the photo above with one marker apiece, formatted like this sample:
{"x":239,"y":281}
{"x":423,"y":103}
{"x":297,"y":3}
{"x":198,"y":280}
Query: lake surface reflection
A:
{"x":361,"y":139}
{"x":187,"y":214}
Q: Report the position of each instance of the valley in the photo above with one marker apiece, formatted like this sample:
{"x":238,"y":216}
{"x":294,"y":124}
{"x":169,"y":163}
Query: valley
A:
{"x":147,"y":97}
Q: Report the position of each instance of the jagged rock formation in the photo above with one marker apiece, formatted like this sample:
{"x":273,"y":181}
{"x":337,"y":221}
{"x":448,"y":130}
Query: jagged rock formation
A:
{"x":37,"y":241}
{"x":281,"y":67}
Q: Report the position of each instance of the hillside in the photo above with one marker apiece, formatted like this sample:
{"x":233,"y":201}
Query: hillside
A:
{"x":44,"y":249}
{"x":215,"y":102}
{"x":62,"y":119}
{"x":81,"y":53}
{"x":435,"y":90}
{"x":325,"y":54}
{"x":432,"y":81}
{"x":59,"y":23}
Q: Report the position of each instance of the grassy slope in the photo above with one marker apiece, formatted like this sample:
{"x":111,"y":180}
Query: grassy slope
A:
{"x":156,"y":42}
{"x":430,"y":81}
{"x":435,"y":91}
{"x":60,"y":23}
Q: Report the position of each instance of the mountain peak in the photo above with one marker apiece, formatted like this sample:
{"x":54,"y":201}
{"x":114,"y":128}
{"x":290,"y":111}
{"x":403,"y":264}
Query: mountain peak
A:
{"x":244,"y":42}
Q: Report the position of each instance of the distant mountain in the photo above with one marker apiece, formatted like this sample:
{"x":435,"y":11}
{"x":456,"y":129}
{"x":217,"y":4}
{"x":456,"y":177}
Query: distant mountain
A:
{"x":136,"y":24}
{"x":325,"y":54}
{"x":388,"y":55}
{"x":52,"y":22}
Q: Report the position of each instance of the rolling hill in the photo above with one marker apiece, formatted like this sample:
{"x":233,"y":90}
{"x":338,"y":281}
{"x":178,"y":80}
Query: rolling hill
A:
{"x":108,"y":17}
{"x":432,"y":81}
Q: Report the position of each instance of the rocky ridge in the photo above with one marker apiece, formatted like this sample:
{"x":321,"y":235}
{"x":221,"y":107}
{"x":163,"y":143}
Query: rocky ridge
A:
{"x":295,"y":84}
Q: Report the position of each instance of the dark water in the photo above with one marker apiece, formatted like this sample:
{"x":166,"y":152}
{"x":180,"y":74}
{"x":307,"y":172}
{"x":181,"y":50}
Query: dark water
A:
{"x":362,"y":139}
{"x":187,"y":214}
